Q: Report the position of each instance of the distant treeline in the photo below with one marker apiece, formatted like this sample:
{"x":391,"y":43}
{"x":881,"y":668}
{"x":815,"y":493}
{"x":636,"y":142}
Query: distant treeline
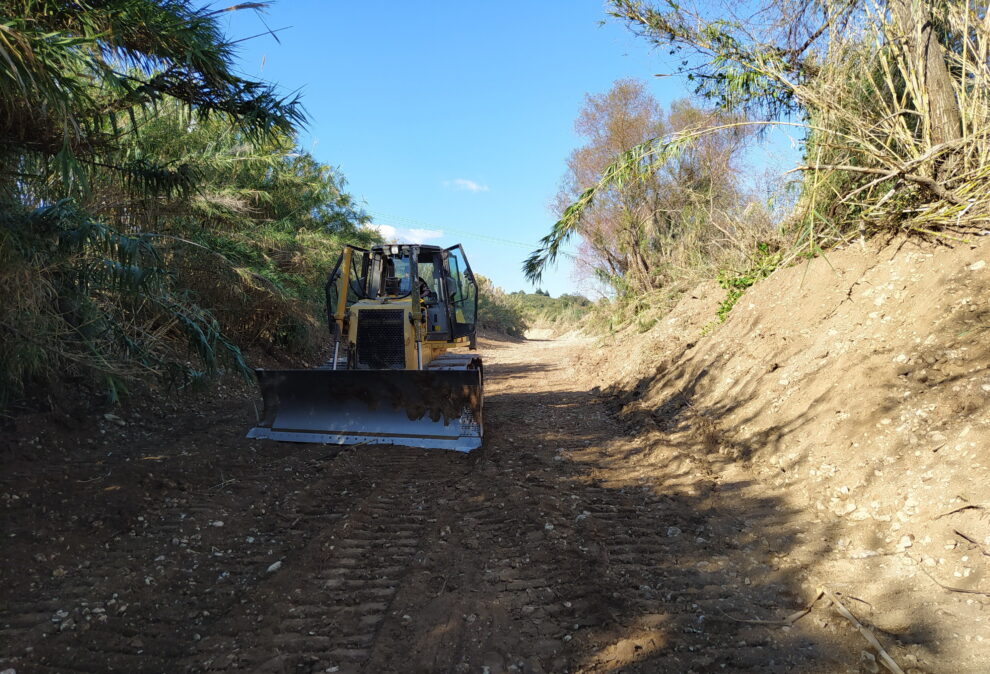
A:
{"x":514,"y":313}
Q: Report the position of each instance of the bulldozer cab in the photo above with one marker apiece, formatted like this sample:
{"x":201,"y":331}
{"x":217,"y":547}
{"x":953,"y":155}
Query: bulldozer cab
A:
{"x":440,"y":280}
{"x":462,"y":292}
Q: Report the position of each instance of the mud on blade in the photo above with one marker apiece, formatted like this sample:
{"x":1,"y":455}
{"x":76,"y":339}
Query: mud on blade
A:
{"x":436,"y":409}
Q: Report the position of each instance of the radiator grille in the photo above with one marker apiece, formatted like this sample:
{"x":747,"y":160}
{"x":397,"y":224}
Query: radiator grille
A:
{"x":380,"y":343}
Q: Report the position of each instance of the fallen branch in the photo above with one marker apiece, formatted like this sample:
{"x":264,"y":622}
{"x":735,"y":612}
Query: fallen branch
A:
{"x":885,"y":658}
{"x":947,"y":588}
{"x":935,"y":187}
{"x":963,"y":536}
{"x":786,"y":622}
{"x":959,"y":510}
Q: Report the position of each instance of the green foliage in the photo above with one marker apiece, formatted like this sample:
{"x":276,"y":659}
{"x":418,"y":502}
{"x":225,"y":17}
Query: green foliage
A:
{"x":763,"y":263}
{"x":83,"y":298}
{"x":497,"y":311}
{"x":156,"y":215}
{"x":556,"y":313}
{"x":514,"y":313}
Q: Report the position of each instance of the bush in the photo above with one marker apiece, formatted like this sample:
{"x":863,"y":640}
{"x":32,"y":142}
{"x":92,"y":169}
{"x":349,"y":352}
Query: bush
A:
{"x":496,"y":313}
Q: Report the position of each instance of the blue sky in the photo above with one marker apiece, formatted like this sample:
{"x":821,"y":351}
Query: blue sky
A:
{"x":451,"y":120}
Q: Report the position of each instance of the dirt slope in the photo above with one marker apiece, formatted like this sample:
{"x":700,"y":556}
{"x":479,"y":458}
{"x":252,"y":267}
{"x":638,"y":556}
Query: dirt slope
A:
{"x":855,"y":390}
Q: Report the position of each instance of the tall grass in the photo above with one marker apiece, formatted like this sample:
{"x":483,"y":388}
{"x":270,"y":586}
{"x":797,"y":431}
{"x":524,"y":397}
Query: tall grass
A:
{"x":876,"y":159}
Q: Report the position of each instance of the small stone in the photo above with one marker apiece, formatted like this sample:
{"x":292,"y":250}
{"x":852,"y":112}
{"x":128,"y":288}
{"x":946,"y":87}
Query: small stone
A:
{"x":906,"y":542}
{"x":845,"y":509}
{"x":275,"y":567}
{"x":673,"y":532}
{"x":977,"y":266}
{"x":217,"y":523}
{"x":860,"y":514}
{"x":113,"y":418}
{"x":548,"y":526}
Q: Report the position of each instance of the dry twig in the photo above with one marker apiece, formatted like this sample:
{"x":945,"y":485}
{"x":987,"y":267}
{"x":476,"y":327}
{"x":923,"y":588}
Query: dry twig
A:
{"x":948,"y":588}
{"x":885,"y":658}
{"x":958,"y":510}
{"x":968,"y":539}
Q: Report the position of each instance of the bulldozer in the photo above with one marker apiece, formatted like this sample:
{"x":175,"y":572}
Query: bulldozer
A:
{"x":402,"y":328}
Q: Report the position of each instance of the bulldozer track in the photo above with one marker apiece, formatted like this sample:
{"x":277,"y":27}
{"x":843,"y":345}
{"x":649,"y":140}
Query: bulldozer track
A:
{"x":330,"y":618}
{"x":362,"y":537}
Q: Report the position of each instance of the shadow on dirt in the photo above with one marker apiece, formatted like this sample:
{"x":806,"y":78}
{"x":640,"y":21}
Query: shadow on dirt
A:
{"x":692,"y":427}
{"x":629,"y":553}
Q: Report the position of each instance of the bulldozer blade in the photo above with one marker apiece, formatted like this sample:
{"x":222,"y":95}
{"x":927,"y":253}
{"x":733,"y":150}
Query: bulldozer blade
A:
{"x":435,"y":409}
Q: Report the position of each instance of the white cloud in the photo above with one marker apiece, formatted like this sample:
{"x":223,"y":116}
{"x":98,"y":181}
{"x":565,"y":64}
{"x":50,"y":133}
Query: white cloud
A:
{"x":464,"y":185}
{"x":402,"y":235}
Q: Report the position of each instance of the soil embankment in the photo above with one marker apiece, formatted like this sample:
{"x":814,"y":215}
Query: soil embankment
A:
{"x":674,"y":528}
{"x":855,"y":391}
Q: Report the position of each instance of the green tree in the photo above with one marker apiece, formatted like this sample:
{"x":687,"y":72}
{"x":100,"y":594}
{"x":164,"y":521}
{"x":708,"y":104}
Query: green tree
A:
{"x":142,"y":181}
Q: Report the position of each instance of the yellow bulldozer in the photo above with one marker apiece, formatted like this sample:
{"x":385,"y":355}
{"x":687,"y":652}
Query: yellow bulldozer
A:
{"x":395,"y":313}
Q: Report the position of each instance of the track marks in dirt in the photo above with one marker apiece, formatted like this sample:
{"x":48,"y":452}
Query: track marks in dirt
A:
{"x":323,"y":609}
{"x":138,"y":600}
{"x":187,"y":581}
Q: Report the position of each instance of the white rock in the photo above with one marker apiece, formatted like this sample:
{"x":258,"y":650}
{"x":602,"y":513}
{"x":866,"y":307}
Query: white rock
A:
{"x":860,"y":514}
{"x":977,"y":266}
{"x":673,"y":532}
{"x":844,"y":509}
{"x":906,"y":542}
{"x":218,"y":523}
{"x":275,"y":567}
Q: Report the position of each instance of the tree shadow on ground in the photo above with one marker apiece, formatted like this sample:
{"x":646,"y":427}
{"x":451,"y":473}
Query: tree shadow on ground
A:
{"x":640,"y":556}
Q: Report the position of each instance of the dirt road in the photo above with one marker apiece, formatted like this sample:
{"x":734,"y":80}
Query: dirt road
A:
{"x":167,"y":542}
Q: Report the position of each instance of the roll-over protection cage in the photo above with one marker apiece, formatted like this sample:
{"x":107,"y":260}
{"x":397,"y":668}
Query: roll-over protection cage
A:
{"x":440,"y":277}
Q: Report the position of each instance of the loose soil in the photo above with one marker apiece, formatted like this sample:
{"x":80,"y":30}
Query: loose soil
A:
{"x":626,"y":529}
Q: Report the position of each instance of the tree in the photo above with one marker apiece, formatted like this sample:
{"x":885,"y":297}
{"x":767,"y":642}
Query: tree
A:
{"x":633,"y":228}
{"x":893,"y":96}
{"x":133,"y":162}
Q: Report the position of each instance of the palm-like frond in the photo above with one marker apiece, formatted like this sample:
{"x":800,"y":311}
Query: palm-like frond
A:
{"x":637,"y":163}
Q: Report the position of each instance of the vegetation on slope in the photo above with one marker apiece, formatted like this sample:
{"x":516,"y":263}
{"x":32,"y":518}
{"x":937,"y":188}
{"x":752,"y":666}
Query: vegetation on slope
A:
{"x":514,"y":313}
{"x":893,"y":100}
{"x":157,"y":216}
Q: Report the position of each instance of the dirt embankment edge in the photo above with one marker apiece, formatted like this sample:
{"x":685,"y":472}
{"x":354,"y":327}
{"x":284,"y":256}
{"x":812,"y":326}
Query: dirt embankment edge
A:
{"x":856,"y":389}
